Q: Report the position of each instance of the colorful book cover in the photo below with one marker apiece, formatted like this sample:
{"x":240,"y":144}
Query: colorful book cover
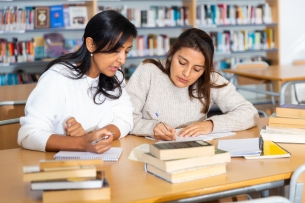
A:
{"x":57,"y":16}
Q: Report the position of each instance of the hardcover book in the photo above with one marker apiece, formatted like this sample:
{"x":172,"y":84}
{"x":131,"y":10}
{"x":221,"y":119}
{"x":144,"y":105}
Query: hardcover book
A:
{"x":83,"y":171}
{"x":70,"y":163}
{"x":42,"y":17}
{"x":291,"y":111}
{"x":77,"y":195}
{"x":57,"y":16}
{"x":70,"y":183}
{"x":178,"y":164}
{"x":180,"y":150}
{"x":187,"y":174}
{"x":78,"y":16}
{"x":276,"y":121}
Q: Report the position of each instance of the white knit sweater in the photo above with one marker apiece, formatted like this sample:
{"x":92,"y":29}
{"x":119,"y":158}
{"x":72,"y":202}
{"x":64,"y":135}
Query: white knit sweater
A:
{"x":56,"y":98}
{"x":152,"y":91}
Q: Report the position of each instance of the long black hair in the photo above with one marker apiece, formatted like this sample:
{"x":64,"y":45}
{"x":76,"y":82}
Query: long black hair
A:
{"x":109,"y":31}
{"x":200,"y":41}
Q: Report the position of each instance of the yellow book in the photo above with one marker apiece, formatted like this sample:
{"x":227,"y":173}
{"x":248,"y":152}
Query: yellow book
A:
{"x":271,"y":150}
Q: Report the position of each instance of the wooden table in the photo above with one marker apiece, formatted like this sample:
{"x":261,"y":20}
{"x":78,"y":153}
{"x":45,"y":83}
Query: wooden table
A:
{"x":286,"y":75}
{"x":130,"y":183}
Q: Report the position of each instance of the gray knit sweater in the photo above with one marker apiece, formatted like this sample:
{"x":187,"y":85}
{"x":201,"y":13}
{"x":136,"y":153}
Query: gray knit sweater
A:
{"x":152,"y":91}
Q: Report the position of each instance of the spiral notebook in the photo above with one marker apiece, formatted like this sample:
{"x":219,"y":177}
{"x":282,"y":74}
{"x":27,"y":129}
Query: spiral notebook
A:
{"x":113,"y":154}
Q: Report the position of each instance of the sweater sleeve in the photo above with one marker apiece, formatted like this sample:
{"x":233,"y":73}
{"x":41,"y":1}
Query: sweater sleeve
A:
{"x":138,"y":87}
{"x":238,"y":113}
{"x":43,"y":109}
{"x":122,"y":113}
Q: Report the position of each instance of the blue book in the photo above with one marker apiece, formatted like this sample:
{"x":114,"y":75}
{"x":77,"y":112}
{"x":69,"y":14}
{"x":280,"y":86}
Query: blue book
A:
{"x":57,"y":16}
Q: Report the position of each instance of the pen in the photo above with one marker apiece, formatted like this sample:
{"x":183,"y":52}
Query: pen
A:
{"x":102,"y":138}
{"x":161,"y":121}
{"x":164,"y":125}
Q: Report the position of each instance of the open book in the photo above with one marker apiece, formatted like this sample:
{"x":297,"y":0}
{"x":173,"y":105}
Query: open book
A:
{"x":113,"y":154}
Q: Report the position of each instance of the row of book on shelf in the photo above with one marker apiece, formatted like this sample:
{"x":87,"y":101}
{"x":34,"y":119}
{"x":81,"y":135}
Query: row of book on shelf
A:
{"x":50,"y":45}
{"x":18,"y":78}
{"x":286,"y":124}
{"x":233,"y":41}
{"x":154,"y":16}
{"x":227,"y":14}
{"x":16,"y":18}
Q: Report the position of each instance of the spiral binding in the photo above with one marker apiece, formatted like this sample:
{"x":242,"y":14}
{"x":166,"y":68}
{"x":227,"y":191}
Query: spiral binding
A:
{"x":108,"y":159}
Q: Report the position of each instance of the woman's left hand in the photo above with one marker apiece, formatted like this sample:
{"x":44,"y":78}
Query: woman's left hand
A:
{"x":198,"y":128}
{"x":74,"y":128}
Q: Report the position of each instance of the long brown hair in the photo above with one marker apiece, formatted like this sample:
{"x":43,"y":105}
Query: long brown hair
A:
{"x":200,"y":41}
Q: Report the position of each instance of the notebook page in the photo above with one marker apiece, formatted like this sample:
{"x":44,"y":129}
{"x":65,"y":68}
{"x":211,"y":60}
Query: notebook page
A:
{"x":206,"y":137}
{"x":113,"y":154}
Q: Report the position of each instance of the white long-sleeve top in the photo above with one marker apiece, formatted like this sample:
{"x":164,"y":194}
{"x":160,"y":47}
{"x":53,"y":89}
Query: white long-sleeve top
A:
{"x":152,"y":91}
{"x":57,"y":98}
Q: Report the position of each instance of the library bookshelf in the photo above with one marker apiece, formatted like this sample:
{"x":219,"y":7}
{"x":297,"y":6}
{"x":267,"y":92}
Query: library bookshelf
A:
{"x":93,"y":6}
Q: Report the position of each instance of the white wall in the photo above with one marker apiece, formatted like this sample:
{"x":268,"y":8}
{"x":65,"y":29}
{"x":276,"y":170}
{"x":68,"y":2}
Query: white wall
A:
{"x":292,"y":30}
{"x":292,"y":35}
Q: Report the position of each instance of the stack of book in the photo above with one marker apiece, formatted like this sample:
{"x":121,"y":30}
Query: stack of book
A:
{"x":68,"y":180}
{"x":183,"y":161}
{"x":287,"y":124}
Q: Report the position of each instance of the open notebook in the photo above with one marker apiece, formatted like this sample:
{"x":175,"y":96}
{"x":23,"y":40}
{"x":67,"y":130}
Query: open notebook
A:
{"x":113,"y":154}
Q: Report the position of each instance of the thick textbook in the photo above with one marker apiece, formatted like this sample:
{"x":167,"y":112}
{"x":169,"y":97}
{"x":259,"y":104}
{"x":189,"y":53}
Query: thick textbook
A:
{"x":78,"y":195}
{"x":242,"y":147}
{"x":187,"y":174}
{"x":49,"y":165}
{"x":282,"y":136}
{"x":83,"y":171}
{"x":70,"y":183}
{"x":178,"y":164}
{"x":291,"y":111}
{"x":113,"y":154}
{"x":276,"y":121}
{"x":180,"y":150}
{"x":271,"y":150}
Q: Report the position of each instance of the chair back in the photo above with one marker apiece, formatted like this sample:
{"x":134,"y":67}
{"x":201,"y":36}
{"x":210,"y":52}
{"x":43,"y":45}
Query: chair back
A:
{"x":11,"y":109}
{"x":299,"y":62}
{"x":250,"y":65}
{"x":296,"y":185}
{"x":9,"y":133}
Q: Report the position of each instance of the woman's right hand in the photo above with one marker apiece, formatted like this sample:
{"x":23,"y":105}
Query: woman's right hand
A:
{"x":102,"y":145}
{"x":161,"y":133}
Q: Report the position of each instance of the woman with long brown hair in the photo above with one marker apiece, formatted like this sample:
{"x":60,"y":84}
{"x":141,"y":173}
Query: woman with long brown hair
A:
{"x":179,"y":91}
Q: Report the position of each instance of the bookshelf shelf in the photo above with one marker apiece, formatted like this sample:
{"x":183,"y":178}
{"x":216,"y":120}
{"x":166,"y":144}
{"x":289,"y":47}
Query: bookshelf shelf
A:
{"x":165,"y":27}
{"x":24,"y":64}
{"x":43,"y":30}
{"x":239,"y":26}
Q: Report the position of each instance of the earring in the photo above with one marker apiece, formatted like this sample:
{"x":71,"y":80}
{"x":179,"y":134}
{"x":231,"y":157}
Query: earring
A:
{"x":91,"y":54}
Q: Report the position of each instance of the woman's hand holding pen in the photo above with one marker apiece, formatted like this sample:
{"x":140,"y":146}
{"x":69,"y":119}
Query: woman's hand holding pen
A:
{"x":198,"y":128}
{"x":98,"y":141}
{"x":164,"y":132}
{"x":74,"y":128}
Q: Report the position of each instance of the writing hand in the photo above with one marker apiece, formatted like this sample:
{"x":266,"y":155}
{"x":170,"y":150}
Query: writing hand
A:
{"x":195,"y":129}
{"x":161,"y":133}
{"x":103,"y":144}
{"x":73,"y":128}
